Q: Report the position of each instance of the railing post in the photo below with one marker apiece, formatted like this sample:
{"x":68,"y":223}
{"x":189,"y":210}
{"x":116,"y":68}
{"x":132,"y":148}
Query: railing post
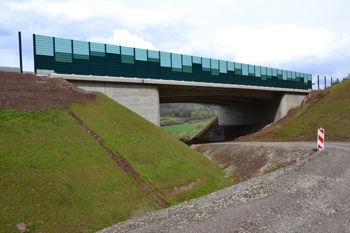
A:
{"x":105,"y":60}
{"x":71,"y":43}
{"x":54,"y":54}
{"x":318,"y":82}
{"x":34,"y":51}
{"x":90,"y":59}
{"x":325,"y":85}
{"x":331,"y":81}
{"x":20,"y":51}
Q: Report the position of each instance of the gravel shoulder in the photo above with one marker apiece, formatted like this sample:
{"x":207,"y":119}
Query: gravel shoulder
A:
{"x":312,"y":195}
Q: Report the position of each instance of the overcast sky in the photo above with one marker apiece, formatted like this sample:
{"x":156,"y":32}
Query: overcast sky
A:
{"x":310,"y":36}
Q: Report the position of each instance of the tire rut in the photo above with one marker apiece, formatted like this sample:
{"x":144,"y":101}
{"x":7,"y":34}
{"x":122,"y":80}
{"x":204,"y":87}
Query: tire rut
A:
{"x":151,"y":190}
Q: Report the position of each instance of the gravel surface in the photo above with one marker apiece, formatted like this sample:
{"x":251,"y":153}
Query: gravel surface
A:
{"x":310,"y":196}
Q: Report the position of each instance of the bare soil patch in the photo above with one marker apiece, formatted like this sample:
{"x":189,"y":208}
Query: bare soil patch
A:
{"x":30,"y":92}
{"x":241,"y":162}
{"x":181,"y":188}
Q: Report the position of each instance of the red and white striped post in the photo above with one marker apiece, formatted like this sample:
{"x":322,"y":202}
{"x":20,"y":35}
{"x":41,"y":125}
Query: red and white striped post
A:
{"x":320,"y":139}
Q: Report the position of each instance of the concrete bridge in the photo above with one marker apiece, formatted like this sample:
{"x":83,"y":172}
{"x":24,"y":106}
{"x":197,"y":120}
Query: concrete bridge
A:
{"x":141,"y":79}
{"x":238,"y":104}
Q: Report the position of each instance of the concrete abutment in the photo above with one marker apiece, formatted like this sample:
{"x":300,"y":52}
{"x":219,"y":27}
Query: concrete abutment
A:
{"x":259,"y":111}
{"x":139,"y":98}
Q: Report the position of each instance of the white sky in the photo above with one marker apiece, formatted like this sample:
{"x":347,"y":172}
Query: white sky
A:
{"x":311,"y":36}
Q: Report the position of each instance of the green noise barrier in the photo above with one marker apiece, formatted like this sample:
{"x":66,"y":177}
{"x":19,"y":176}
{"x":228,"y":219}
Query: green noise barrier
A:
{"x":65,"y":56}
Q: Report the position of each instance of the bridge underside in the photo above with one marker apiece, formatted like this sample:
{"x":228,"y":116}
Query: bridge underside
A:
{"x":238,"y":105}
{"x":211,"y":95}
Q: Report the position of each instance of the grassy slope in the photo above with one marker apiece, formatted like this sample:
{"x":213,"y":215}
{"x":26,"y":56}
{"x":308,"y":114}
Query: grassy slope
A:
{"x":330,"y":110}
{"x":53,"y":171}
{"x":156,"y":155}
{"x":56,"y":175}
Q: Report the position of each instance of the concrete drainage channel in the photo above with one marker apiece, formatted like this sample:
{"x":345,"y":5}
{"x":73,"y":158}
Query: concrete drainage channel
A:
{"x":152,"y":192}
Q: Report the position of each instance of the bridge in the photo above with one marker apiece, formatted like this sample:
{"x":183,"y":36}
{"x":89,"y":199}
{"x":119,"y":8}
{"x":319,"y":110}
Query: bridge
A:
{"x":141,"y":79}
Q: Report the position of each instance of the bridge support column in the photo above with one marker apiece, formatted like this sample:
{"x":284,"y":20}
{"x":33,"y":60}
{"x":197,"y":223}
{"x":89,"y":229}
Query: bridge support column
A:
{"x":140,"y":98}
{"x":259,"y":111}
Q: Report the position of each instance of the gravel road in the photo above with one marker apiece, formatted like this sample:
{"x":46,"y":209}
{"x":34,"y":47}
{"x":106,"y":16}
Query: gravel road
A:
{"x":310,"y":196}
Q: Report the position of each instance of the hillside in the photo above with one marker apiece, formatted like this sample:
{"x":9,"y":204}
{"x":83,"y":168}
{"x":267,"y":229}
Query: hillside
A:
{"x":328,"y":109}
{"x":75,"y":161}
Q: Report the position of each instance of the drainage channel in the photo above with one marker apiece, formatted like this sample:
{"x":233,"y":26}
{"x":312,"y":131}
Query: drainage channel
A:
{"x":146,"y":187}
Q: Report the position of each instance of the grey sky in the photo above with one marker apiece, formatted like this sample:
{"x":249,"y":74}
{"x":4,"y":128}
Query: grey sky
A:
{"x":300,"y":35}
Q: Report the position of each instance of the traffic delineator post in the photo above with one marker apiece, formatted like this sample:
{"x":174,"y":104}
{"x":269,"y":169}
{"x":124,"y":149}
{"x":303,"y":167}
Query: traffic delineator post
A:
{"x":320,"y":139}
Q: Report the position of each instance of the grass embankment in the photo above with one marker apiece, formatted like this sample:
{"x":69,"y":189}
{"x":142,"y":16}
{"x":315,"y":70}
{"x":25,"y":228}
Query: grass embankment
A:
{"x":328,"y":109}
{"x":57,"y":176}
{"x":176,"y":130}
{"x":203,"y":130}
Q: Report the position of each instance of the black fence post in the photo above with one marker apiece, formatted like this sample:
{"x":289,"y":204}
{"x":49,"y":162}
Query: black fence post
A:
{"x":71,"y":43}
{"x":325,"y":85}
{"x":318,"y":82}
{"x":54,"y":54}
{"x":20,"y":51}
{"x":90,"y":58}
{"x":105,"y":60}
{"x":34,"y":51}
{"x":331,"y":81}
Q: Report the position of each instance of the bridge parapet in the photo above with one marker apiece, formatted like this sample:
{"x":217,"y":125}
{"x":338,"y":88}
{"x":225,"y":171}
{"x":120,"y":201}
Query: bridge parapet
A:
{"x":64,"y":56}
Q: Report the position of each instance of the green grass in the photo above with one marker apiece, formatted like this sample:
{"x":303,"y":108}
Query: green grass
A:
{"x":53,"y":171}
{"x":178,"y":129}
{"x":330,"y":110}
{"x":202,"y":131}
{"x":156,"y":155}
{"x":57,"y":176}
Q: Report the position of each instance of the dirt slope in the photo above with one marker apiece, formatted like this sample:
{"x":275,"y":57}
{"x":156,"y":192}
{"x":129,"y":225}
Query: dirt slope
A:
{"x":30,"y":92}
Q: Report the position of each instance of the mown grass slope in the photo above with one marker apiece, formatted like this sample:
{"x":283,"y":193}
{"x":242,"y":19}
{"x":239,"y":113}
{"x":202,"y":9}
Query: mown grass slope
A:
{"x":58,"y":177}
{"x":329,"y":109}
{"x":157,"y":156}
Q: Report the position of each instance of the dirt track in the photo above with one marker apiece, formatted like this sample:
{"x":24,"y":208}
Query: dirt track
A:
{"x":310,"y":196}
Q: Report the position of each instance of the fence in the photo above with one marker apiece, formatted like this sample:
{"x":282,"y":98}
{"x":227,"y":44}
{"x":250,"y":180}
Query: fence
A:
{"x":66,"y":56}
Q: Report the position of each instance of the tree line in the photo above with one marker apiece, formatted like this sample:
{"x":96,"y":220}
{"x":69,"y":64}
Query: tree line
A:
{"x":185,"y":113}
